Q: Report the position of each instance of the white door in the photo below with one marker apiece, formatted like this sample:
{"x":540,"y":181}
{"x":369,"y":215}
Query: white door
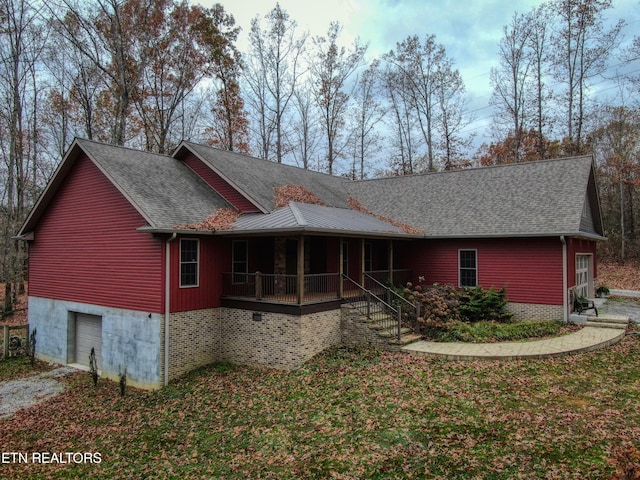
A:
{"x":583,"y":275}
{"x":88,"y":335}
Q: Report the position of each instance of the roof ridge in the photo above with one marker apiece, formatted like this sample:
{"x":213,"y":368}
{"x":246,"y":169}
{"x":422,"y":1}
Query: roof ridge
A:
{"x":121,"y":147}
{"x":297,"y":214}
{"x":478,"y":168}
{"x":253,"y":158}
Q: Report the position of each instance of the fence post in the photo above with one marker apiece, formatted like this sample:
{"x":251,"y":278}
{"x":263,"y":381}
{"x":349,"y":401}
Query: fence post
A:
{"x":399,"y":322}
{"x":258,"y":286}
{"x":368,"y":295}
{"x":5,"y":345}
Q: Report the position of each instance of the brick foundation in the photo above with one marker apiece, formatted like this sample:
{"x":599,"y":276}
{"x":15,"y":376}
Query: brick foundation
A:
{"x":194,"y":340}
{"x":276,"y":340}
{"x":534,"y":311}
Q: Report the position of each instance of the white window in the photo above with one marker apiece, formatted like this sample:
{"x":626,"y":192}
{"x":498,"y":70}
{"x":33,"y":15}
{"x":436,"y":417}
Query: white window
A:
{"x":468,"y":268}
{"x":368,"y":257}
{"x":240,"y":261}
{"x":189,"y":262}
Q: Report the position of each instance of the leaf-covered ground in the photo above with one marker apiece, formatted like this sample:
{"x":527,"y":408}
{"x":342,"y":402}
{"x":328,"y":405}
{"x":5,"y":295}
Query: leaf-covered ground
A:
{"x":351,"y":414}
{"x":624,"y":276}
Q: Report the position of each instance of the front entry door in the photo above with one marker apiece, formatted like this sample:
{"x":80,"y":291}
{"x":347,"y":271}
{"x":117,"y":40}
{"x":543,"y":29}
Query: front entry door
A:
{"x":583,"y":275}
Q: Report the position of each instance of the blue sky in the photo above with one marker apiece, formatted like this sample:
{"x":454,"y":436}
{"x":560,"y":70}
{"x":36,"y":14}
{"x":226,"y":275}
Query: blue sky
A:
{"x":469,"y":30}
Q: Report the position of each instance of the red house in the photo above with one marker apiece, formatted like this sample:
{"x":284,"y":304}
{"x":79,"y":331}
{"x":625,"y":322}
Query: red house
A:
{"x":165,"y":263}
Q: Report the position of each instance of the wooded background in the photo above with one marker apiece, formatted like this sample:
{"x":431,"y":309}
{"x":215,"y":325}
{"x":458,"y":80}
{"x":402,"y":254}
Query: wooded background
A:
{"x":150,"y":73}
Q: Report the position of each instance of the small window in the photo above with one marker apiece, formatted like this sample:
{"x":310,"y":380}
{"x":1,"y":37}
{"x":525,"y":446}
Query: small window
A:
{"x":240,"y":261}
{"x":368,"y":257}
{"x":189,"y":259}
{"x":345,"y":258}
{"x":468,"y":268}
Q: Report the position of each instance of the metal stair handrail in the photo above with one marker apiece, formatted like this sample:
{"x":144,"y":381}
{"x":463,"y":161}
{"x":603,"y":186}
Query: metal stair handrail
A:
{"x":390,"y":291}
{"x":369,"y":295}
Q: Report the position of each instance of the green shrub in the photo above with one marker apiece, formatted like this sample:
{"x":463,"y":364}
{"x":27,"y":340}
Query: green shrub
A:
{"x":478,"y":304}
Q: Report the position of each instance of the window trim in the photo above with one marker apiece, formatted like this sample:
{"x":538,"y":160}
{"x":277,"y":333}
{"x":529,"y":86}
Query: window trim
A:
{"x":475,"y":252}
{"x":235,"y":274}
{"x":368,"y":256}
{"x":196,"y":262}
{"x":345,"y":257}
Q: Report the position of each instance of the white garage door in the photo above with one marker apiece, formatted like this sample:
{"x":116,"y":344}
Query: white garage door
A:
{"x":88,"y":335}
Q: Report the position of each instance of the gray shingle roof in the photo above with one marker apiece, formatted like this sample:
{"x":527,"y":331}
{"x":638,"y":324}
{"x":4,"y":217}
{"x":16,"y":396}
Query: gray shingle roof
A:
{"x":305,"y":217}
{"x":527,"y":199}
{"x":257,"y":178}
{"x":533,"y":198}
{"x":164,"y":190}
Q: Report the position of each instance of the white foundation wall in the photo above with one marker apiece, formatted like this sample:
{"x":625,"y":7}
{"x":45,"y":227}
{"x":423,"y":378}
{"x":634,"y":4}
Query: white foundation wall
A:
{"x":130,"y":339}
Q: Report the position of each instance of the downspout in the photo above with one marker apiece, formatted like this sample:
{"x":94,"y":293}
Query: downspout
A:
{"x":167,"y":304}
{"x":565,"y":292}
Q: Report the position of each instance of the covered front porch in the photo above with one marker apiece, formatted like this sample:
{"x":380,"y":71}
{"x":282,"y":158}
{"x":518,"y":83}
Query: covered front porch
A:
{"x":307,"y":269}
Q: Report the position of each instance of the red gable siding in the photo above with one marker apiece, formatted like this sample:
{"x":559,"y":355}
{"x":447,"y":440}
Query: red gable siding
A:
{"x":215,"y":258}
{"x":531,"y":269}
{"x":86,"y":247}
{"x":216,"y":182}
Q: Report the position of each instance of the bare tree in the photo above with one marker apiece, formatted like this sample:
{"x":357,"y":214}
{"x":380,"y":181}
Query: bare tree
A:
{"x":540,"y":94}
{"x":330,"y":68}
{"x":108,"y":34}
{"x":616,"y":144}
{"x":275,"y":69}
{"x":510,"y":81}
{"x":451,"y":117}
{"x":582,"y":46}
{"x":305,"y":130}
{"x":402,"y":120}
{"x":21,"y":44}
{"x":367,"y":113}
{"x":421,"y":65}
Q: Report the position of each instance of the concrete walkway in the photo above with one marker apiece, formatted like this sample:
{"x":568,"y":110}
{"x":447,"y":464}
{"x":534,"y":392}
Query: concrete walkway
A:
{"x":587,"y":339}
{"x":625,"y":293}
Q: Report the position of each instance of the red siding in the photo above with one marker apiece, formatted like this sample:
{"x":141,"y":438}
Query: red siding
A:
{"x":216,"y":182}
{"x":86,"y":247}
{"x":531,"y":269}
{"x":215,"y":256}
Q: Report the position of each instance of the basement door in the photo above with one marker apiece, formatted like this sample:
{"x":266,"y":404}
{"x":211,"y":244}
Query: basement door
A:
{"x":583,"y":275}
{"x":88,"y":334}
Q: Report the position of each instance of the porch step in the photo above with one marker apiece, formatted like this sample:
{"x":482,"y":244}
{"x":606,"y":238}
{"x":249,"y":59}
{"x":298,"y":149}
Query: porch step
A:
{"x":406,"y":339}
{"x":379,"y":319}
{"x":608,"y":321}
{"x":393,"y":332}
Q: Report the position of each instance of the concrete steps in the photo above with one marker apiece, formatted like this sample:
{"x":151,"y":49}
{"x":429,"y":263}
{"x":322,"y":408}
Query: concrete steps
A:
{"x":608,"y":321}
{"x":385,"y":327}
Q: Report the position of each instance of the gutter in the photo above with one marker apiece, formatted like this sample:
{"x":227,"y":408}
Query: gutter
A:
{"x":167,"y":304}
{"x":565,"y":292}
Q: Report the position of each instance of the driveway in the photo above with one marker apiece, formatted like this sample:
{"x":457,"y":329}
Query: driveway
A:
{"x":26,"y":392}
{"x":630,"y":308}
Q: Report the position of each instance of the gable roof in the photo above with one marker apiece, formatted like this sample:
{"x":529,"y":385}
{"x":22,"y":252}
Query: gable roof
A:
{"x":542,"y":198}
{"x":162,"y":189}
{"x":256,"y":178}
